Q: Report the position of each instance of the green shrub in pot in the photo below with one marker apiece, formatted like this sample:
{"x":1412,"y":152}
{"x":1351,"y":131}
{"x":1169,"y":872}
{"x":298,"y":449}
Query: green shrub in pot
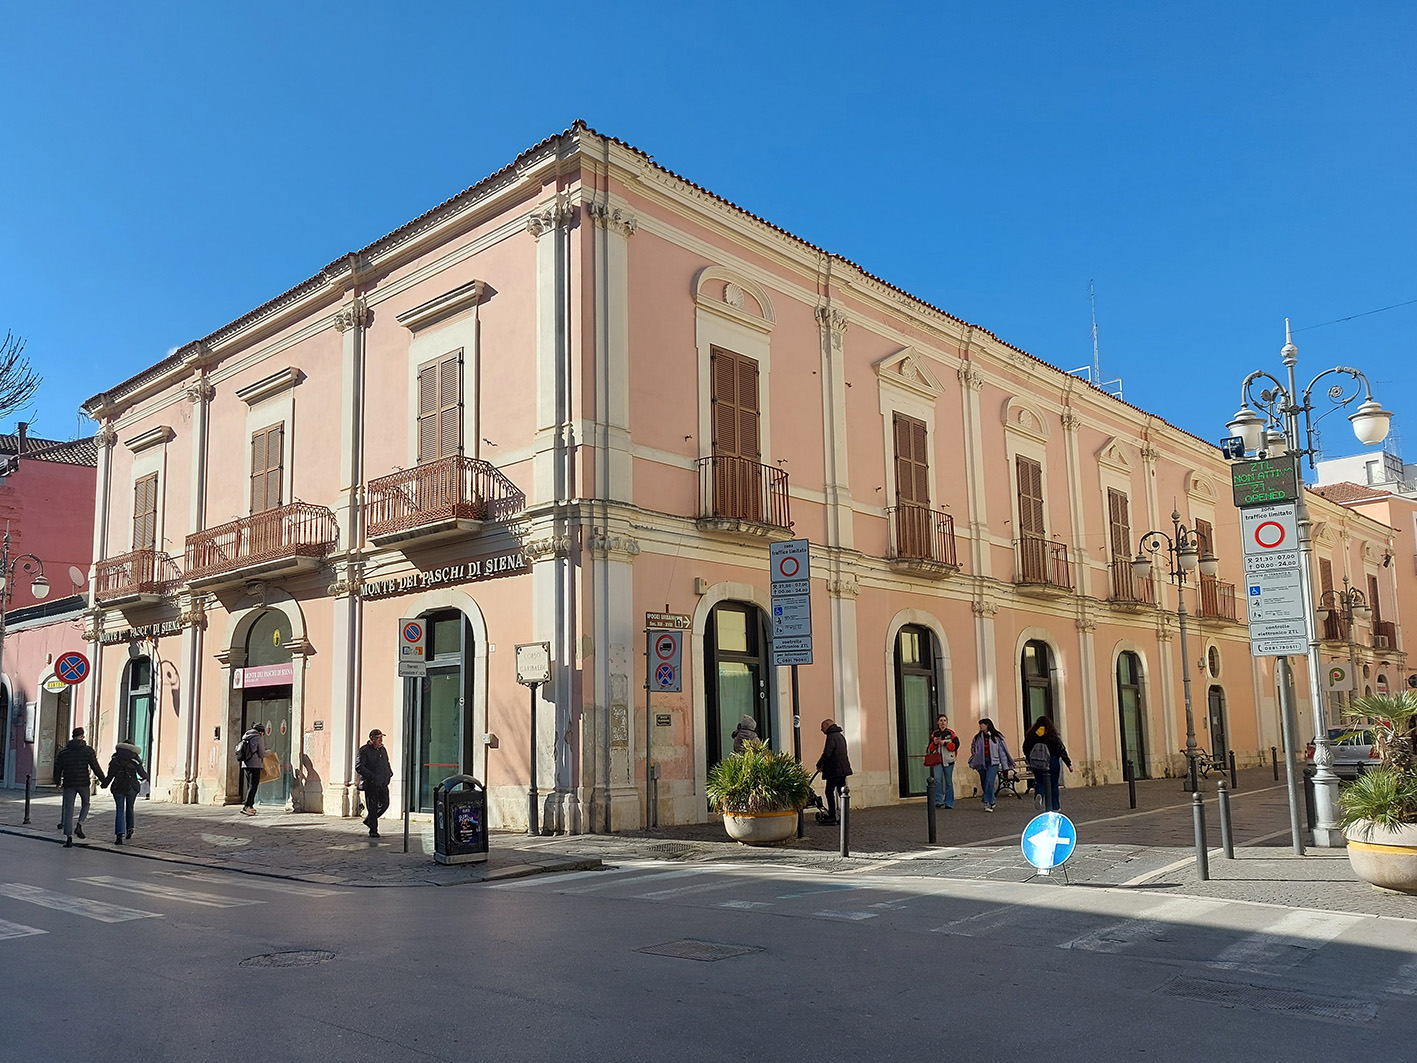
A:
{"x":758,"y":780}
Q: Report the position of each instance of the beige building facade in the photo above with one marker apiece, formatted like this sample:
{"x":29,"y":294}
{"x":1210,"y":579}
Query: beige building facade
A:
{"x":585,"y":390}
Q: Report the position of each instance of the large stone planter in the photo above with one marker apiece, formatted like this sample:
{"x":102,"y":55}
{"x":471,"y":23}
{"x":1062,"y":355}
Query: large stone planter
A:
{"x":1386,"y":858}
{"x":763,"y":828}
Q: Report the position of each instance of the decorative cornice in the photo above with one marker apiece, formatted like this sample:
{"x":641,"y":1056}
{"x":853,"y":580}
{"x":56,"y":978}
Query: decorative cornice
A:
{"x":603,"y":544}
{"x":153,"y":437}
{"x":740,"y":299}
{"x":443,"y":306}
{"x":199,"y":390}
{"x":559,"y":212}
{"x":105,"y":437}
{"x":984,"y":607}
{"x":356,"y":314}
{"x":549,"y":546}
{"x":1071,"y":421}
{"x":845,"y":587}
{"x":608,"y":217}
{"x":1086,"y":624}
{"x":1150,"y":454}
{"x":272,"y":385}
{"x":1019,"y":415}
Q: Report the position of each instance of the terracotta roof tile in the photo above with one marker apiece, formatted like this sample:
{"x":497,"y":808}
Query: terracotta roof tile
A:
{"x":1344,"y":493}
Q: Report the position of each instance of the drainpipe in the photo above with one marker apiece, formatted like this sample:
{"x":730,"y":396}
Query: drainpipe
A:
{"x":199,"y":393}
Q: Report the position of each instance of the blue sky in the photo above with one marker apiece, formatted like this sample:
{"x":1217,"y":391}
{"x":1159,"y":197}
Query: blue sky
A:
{"x":1212,"y":169}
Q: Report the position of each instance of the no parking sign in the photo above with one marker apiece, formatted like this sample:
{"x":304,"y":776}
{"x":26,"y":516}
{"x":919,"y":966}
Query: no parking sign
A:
{"x":666,"y":661}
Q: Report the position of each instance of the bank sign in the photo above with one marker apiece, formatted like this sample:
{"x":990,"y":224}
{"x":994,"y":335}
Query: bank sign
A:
{"x":1257,"y":483}
{"x":469,"y":571}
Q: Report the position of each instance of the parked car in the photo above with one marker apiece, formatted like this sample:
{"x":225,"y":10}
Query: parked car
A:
{"x":1353,"y":752}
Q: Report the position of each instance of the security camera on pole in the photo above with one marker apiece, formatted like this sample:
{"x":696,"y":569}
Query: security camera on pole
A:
{"x":1272,"y":435}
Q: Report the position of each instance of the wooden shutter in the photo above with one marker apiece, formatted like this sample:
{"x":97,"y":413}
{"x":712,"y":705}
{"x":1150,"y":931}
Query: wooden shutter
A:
{"x":1119,"y":523}
{"x":736,"y":414}
{"x":267,"y":468}
{"x":912,"y":462}
{"x":1030,"y":498}
{"x":440,"y":408}
{"x":1373,"y":600}
{"x":1205,"y":536}
{"x":1325,"y":576}
{"x":145,"y":512}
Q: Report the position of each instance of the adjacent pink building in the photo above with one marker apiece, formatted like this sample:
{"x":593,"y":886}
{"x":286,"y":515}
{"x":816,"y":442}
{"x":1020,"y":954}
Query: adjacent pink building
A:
{"x":586,"y":390}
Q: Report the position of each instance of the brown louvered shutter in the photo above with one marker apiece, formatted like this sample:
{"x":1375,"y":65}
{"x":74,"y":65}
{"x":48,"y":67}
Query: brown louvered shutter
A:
{"x":1030,"y":498}
{"x":450,"y":405}
{"x":267,"y":468}
{"x":749,"y":440}
{"x":1373,"y":600}
{"x":1120,"y":525}
{"x":427,"y":413}
{"x":912,"y":462}
{"x":145,"y":513}
{"x":1325,"y":576}
{"x":1205,"y":536}
{"x":723,"y":368}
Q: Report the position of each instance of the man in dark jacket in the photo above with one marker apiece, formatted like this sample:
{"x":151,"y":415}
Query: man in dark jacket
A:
{"x":834,"y":765}
{"x":71,"y":772}
{"x":374,"y":771}
{"x":255,"y":739}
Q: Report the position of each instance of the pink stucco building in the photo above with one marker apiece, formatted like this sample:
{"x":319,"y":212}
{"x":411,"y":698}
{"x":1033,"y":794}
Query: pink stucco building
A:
{"x":585,"y":390}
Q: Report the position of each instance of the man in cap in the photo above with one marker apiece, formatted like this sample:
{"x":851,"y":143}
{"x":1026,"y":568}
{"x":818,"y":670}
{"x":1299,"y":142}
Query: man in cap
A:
{"x":71,"y":772}
{"x":254,"y":742}
{"x":374,"y":771}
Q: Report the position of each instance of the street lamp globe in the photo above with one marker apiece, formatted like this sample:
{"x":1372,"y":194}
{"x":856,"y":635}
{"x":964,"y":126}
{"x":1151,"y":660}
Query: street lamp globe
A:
{"x":1210,"y":564}
{"x":1370,"y":422}
{"x":1275,"y":445}
{"x":1249,"y":426}
{"x":40,"y":587}
{"x":1189,"y":556}
{"x":1141,"y":567}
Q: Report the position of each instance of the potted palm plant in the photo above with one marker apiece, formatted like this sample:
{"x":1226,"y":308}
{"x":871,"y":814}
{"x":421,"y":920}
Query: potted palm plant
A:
{"x":1379,"y":808}
{"x":760,"y":792}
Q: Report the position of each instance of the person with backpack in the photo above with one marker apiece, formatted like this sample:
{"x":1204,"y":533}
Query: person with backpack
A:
{"x":251,"y":755}
{"x":745,"y":732}
{"x":71,"y":772}
{"x":126,"y":776}
{"x":1044,"y":750}
{"x":988,"y":755}
{"x":940,"y":759}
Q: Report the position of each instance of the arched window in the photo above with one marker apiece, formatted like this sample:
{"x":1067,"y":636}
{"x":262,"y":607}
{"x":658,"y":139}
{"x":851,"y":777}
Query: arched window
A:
{"x":736,"y":683}
{"x":915,"y":705}
{"x":266,"y":696}
{"x":135,"y":712}
{"x":443,"y":706}
{"x":1131,"y":710}
{"x":1036,"y":667}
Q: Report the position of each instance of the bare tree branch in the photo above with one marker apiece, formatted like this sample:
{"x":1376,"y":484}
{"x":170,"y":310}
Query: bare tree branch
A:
{"x":18,"y":382}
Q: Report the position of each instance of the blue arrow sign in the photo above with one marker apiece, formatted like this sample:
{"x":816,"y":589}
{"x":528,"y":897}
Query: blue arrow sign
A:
{"x":1048,"y":840}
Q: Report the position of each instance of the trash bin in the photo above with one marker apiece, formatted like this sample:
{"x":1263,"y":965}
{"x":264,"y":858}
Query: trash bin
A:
{"x":459,"y":820}
{"x":1310,"y":808}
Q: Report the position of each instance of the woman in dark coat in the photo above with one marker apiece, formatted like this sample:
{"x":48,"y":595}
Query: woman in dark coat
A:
{"x":126,"y":776}
{"x":1044,"y":733}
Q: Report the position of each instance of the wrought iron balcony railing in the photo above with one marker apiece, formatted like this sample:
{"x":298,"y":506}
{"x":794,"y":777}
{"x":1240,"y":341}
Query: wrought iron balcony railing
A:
{"x":1216,"y":600}
{"x":298,"y":530}
{"x":1043,"y":563}
{"x":439,"y":495}
{"x":921,"y":534}
{"x":139,"y":573}
{"x":1127,"y":589}
{"x":737,"y":489}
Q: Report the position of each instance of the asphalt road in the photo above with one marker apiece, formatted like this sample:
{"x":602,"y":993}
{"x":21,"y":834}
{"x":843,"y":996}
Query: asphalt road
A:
{"x":121,"y":959}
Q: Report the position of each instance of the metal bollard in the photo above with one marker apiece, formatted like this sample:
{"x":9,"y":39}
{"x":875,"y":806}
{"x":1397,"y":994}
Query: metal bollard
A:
{"x":1222,"y":799}
{"x":845,"y":821}
{"x":1234,"y":779}
{"x":1274,"y":757}
{"x":930,"y":808}
{"x":28,"y":780}
{"x":801,"y":823}
{"x":1130,"y":774}
{"x":1198,"y":818}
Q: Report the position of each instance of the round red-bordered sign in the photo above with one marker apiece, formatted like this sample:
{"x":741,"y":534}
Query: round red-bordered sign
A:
{"x":788,"y":573}
{"x":1270,"y":529}
{"x":664,"y":646}
{"x":412,"y":632}
{"x":72,"y":668}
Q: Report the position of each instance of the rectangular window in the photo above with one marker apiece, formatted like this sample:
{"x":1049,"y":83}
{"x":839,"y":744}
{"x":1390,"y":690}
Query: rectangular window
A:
{"x":1373,"y":600}
{"x":267,"y":468}
{"x":912,"y":462}
{"x":1205,"y":536}
{"x":440,"y":408}
{"x":1119,"y":525}
{"x":145,"y":512}
{"x":735,"y":405}
{"x":1030,"y":498}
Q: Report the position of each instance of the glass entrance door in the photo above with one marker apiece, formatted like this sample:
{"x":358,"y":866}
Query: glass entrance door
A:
{"x":1131,"y":711}
{"x":442,"y":706}
{"x":271,"y":707}
{"x":736,"y":684}
{"x":915,"y":705}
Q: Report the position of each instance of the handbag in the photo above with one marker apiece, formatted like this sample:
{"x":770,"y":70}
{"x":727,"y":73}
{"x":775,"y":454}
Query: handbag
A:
{"x":270,"y":767}
{"x":933,"y":758}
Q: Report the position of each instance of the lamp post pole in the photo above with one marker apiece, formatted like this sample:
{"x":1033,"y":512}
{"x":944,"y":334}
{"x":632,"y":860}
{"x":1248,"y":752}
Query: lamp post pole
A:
{"x":1182,"y":552}
{"x":1285,"y":411}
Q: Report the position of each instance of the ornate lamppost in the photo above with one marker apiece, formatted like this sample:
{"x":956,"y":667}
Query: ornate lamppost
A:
{"x":1268,"y":423}
{"x":1183,"y":557}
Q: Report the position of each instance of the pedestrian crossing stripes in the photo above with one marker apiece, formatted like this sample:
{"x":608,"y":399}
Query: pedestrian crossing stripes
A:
{"x":63,"y":902}
{"x":176,"y":893}
{"x":295,"y":889}
{"x":18,"y":930}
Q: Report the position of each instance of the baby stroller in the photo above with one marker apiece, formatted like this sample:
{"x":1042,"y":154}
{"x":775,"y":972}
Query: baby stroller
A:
{"x":815,"y":801}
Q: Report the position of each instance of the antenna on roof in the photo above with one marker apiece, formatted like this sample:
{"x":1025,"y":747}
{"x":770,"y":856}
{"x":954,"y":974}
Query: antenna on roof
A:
{"x":1093,"y":372}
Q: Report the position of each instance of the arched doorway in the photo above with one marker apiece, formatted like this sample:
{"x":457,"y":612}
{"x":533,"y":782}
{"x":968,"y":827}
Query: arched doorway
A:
{"x":1219,"y":739}
{"x":136,"y":707}
{"x":266,"y":696}
{"x":442,"y":711}
{"x":737,"y":676}
{"x":915,"y":705}
{"x":1131,"y":712}
{"x":1036,"y":668}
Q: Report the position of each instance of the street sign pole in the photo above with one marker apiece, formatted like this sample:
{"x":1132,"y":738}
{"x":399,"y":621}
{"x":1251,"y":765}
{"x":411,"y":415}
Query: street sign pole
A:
{"x":797,"y":745}
{"x":649,"y":725}
{"x":532,"y":817}
{"x":1288,"y":727}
